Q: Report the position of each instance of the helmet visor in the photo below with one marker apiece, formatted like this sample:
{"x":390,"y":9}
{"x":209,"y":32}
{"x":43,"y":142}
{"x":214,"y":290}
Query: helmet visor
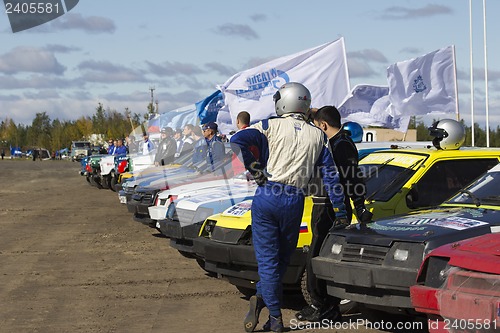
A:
{"x":276,"y":97}
{"x":437,"y":132}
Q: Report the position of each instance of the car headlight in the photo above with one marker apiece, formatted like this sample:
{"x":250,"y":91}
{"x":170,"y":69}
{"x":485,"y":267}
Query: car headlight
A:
{"x":336,"y":248}
{"x":401,"y":255}
{"x":435,"y":272}
{"x":208,"y":228}
{"x":332,"y":247}
{"x":405,"y":254}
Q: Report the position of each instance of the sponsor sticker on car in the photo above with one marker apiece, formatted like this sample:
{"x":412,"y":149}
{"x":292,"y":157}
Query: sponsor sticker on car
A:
{"x":457,"y":223}
{"x":239,"y":209}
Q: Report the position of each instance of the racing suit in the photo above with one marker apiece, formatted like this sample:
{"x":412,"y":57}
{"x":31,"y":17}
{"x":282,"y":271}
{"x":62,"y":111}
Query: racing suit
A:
{"x":209,"y":150}
{"x":296,"y":148}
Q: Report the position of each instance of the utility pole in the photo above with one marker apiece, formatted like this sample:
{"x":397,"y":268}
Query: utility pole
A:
{"x":152,"y":89}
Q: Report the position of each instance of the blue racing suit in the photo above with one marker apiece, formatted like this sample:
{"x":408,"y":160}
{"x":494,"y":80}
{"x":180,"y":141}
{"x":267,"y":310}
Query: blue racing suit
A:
{"x":296,"y":149}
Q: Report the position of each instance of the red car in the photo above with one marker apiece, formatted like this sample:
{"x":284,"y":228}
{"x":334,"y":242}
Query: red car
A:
{"x":458,"y":286}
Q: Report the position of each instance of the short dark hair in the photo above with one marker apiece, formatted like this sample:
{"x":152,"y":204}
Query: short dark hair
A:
{"x":244,"y":117}
{"x":328,"y":114}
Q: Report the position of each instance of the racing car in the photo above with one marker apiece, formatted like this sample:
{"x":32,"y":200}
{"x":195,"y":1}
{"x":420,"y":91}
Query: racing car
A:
{"x":181,"y":211}
{"x":458,"y":286}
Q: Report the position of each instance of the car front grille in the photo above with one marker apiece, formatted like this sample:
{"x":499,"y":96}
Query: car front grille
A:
{"x":364,"y":253}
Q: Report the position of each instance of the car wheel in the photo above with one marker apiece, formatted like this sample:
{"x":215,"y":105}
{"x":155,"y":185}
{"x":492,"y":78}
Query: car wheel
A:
{"x":114,"y":181}
{"x":106,"y":181}
{"x":346,"y":306}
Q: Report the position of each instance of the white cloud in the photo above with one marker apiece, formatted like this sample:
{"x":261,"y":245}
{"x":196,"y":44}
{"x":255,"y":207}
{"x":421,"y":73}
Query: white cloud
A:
{"x":30,"y":59}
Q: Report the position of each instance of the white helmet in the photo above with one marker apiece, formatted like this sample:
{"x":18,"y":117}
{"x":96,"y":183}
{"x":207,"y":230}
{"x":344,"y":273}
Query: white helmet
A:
{"x":292,"y":97}
{"x":448,"y":134}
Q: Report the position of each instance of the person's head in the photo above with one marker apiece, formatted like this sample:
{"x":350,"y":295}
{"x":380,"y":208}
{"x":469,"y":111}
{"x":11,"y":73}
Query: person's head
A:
{"x":145,"y":136}
{"x":115,"y":142}
{"x":188,"y":130}
{"x":242,"y":119}
{"x":177,"y":134}
{"x":327,"y":114}
{"x":197,"y":133}
{"x":327,"y":119}
{"x":292,"y":97}
{"x":209,"y":130}
{"x":110,"y":142}
{"x":166,"y":132}
{"x":119,"y":142}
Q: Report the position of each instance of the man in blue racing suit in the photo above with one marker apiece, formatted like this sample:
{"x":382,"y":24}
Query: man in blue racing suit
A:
{"x":296,"y":149}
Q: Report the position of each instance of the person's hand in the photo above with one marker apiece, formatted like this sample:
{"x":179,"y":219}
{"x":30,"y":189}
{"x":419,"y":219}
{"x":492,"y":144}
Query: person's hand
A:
{"x":363,"y":214}
{"x":339,"y":223}
{"x":258,"y":173}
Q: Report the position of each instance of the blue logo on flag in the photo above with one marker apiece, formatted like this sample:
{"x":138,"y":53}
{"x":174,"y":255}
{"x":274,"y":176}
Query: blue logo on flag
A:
{"x":263,"y":84}
{"x":418,"y":84}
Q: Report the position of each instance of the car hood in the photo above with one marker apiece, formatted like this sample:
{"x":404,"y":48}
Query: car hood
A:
{"x":425,"y":226}
{"x":225,"y":196}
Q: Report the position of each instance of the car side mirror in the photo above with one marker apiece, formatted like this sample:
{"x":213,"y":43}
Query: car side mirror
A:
{"x":412,"y":198}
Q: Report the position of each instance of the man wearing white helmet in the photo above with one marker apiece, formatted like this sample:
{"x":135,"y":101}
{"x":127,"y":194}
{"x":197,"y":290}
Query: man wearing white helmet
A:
{"x":296,"y":149}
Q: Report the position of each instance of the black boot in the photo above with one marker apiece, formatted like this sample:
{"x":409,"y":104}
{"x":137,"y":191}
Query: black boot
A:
{"x":274,"y":324}
{"x":252,"y":317}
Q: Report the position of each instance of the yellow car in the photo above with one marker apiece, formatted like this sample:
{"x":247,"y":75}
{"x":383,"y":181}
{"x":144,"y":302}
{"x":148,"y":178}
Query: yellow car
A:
{"x":397,"y":180}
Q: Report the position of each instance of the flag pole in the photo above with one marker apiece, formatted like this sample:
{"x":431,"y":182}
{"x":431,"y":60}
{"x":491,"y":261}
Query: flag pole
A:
{"x":486,"y":78}
{"x":471,"y":76}
{"x":457,"y":112}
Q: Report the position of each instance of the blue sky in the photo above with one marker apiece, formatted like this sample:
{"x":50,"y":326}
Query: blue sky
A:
{"x":112,"y":52}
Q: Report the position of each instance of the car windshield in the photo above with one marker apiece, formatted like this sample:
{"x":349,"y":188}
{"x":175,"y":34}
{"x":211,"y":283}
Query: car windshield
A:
{"x":483,"y":191}
{"x":81,"y":144}
{"x":383,"y":182}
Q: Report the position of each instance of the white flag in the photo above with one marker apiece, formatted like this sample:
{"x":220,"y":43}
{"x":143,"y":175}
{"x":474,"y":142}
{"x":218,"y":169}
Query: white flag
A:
{"x":369,"y":105}
{"x":424,"y":85}
{"x":323,"y":70}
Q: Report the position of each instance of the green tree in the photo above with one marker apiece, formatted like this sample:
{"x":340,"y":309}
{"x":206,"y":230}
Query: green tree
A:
{"x":40,"y":131}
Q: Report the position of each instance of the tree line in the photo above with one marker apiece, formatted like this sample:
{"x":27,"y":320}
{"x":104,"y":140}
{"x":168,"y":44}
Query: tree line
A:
{"x":56,"y":134}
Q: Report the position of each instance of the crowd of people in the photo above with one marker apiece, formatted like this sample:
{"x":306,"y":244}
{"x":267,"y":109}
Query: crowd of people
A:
{"x":204,"y":143}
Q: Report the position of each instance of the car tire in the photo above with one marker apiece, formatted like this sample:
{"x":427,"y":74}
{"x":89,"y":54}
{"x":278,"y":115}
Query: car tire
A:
{"x":114,"y":181}
{"x":346,"y":306}
{"x":106,"y":181}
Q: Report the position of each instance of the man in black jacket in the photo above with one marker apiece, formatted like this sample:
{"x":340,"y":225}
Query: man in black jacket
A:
{"x":345,"y":156}
{"x":167,"y":147}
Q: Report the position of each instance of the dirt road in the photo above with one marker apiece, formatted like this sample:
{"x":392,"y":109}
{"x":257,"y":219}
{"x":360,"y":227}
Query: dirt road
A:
{"x":73,"y":260}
